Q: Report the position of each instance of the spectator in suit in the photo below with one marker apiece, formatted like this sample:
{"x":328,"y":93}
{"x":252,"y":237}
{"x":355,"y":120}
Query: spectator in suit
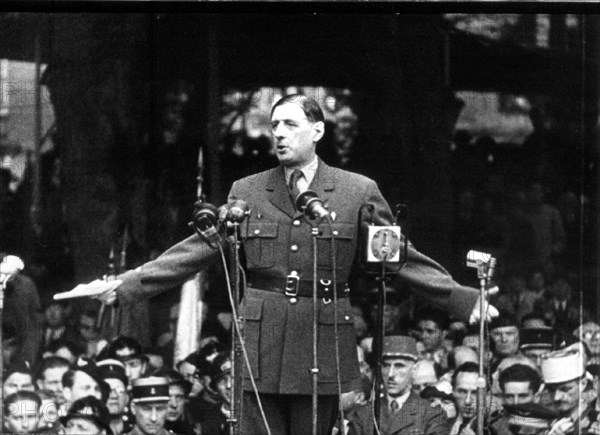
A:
{"x":17,"y":378}
{"x":50,"y":373}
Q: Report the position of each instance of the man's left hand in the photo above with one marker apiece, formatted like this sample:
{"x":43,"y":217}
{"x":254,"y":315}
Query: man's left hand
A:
{"x":488,"y":309}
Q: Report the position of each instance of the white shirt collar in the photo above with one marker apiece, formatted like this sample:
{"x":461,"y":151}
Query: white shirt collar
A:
{"x":309,"y":170}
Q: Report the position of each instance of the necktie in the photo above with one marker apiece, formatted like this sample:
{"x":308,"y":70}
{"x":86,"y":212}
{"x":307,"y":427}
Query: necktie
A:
{"x":395,"y":407}
{"x":293,"y":184}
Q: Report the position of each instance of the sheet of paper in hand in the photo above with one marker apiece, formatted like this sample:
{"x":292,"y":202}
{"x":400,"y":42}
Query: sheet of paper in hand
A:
{"x":93,"y":288}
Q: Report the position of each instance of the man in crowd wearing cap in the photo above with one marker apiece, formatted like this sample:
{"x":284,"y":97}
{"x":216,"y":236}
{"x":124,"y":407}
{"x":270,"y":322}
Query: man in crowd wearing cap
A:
{"x":565,"y":379}
{"x":21,"y":412}
{"x":129,"y":351}
{"x":504,"y":336}
{"x":529,"y":419}
{"x":112,"y":372}
{"x":149,"y":405}
{"x":17,"y":378}
{"x":87,"y":416}
{"x":403,"y":412}
{"x":50,"y":373}
{"x":536,"y":342}
{"x":83,"y":380}
{"x":519,"y":384}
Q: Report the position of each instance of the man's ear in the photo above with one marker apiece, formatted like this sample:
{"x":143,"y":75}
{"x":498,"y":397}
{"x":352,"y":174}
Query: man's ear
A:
{"x":39,"y":384}
{"x":318,"y":130}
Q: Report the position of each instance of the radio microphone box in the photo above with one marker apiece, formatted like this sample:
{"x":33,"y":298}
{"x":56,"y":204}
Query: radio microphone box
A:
{"x":383,"y":244}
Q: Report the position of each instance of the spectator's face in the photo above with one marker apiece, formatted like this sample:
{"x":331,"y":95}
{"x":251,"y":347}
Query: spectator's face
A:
{"x":294,"y":135}
{"x":506,"y":340}
{"x":465,"y":393}
{"x":17,"y":381}
{"x":87,"y":328}
{"x":431,"y":335}
{"x":535,"y":355}
{"x":565,"y":396}
{"x":177,"y":401}
{"x":22,"y":417}
{"x":55,"y":315}
{"x":397,"y":375}
{"x":52,"y":380}
{"x":118,"y":398}
{"x":517,"y":393}
{"x":134,"y":367}
{"x":224,"y":388}
{"x":190,"y":374}
{"x":360,"y":325}
{"x":150,"y":417}
{"x":536,"y":281}
{"x":83,"y":385}
{"x":81,"y":426}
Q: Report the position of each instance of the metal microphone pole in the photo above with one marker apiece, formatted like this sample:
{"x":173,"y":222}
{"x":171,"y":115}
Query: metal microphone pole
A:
{"x":236,"y":346}
{"x":2,"y":288}
{"x":314,"y":371}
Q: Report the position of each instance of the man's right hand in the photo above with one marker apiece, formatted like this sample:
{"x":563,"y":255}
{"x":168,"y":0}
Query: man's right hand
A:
{"x":109,"y":297}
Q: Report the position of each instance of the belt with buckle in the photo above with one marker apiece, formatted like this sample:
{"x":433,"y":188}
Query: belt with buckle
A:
{"x":293,"y":286}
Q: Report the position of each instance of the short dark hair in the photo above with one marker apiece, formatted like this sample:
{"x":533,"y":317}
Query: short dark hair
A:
{"x":19,"y":396}
{"x":520,"y":373}
{"x":50,"y":362}
{"x":438,"y":317}
{"x":468,"y":367}
{"x":309,"y":106}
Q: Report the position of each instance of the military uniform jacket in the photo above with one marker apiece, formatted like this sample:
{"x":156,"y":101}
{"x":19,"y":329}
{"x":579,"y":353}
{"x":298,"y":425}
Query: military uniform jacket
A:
{"x":278,"y":242}
{"x":416,"y":417}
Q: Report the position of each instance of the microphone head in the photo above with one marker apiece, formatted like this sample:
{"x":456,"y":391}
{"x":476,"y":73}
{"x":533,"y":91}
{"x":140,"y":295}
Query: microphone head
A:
{"x":237,"y":211}
{"x":303,"y":199}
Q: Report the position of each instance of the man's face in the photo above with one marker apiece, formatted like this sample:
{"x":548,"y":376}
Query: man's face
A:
{"x":565,"y":395}
{"x":517,"y":393}
{"x":224,"y":388}
{"x":55,"y":315}
{"x":189,"y":373}
{"x":506,"y":340}
{"x":134,"y":367}
{"x":52,"y":380}
{"x":431,"y":335}
{"x":535,"y":355}
{"x":294,"y":135}
{"x":81,"y":426}
{"x":465,"y":393}
{"x":397,"y":375}
{"x":22,"y":417}
{"x":83,"y":385}
{"x":150,"y":417}
{"x":87,"y":328}
{"x":118,"y":397}
{"x":17,"y":381}
{"x":177,"y":401}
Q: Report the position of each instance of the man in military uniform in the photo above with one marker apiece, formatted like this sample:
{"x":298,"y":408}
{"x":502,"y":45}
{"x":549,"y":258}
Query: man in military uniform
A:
{"x":565,"y":380}
{"x":149,"y":405}
{"x":277,"y":305}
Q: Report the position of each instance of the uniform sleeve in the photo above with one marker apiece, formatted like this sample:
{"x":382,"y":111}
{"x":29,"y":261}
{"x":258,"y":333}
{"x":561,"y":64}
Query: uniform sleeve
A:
{"x":428,"y":279}
{"x":168,"y":270}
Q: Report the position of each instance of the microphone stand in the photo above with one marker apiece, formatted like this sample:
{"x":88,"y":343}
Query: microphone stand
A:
{"x":236,"y":346}
{"x":314,"y":371}
{"x":484,"y":273}
{"x":2,"y":288}
{"x":378,"y":345}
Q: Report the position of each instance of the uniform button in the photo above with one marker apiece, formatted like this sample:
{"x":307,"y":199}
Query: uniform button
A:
{"x":256,"y":231}
{"x":294,"y":248}
{"x":346,"y":317}
{"x":335,"y":232}
{"x":294,"y":273}
{"x":293,"y":301}
{"x":326,"y":289}
{"x":296,"y":223}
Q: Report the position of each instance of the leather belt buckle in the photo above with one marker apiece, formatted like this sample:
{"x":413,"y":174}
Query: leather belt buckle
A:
{"x":292,"y":284}
{"x":325,"y":283}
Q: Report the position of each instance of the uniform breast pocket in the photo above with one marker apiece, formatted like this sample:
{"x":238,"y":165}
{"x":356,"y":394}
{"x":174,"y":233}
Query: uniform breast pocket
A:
{"x":344,"y":244}
{"x":260,"y":244}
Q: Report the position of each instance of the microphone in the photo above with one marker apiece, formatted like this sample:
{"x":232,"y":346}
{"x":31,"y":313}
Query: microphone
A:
{"x":311,"y":205}
{"x":205,"y":222}
{"x":234,"y":211}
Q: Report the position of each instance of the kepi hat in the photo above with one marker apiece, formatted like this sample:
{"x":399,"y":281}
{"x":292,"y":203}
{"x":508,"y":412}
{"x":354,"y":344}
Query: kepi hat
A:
{"x":150,"y":389}
{"x":400,"y":346}
{"x":564,"y":365}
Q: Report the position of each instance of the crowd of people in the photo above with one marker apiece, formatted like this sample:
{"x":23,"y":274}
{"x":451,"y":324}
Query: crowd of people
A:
{"x":541,"y":367}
